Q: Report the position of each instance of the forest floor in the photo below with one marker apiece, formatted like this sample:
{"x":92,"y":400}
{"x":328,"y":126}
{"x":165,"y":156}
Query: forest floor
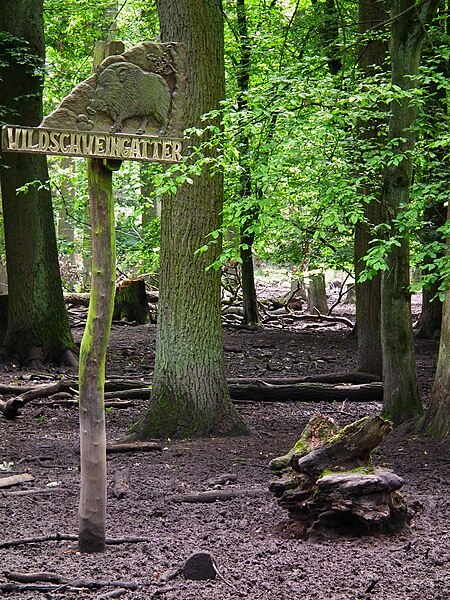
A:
{"x":243,"y":534}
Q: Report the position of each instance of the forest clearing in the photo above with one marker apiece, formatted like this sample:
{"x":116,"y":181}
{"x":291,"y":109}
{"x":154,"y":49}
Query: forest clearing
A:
{"x":244,"y":533}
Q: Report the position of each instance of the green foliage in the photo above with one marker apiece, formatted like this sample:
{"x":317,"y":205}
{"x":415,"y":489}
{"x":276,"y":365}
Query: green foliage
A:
{"x":297,"y":132}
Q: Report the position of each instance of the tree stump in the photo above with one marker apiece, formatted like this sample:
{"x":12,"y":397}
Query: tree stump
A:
{"x":130,"y":303}
{"x":328,"y":484}
{"x":317,"y":296}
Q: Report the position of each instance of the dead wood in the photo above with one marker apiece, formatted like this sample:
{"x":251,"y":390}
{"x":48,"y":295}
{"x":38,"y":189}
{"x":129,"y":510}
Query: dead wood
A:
{"x":337,"y":377}
{"x":352,"y":497}
{"x":6,"y":482}
{"x":133,"y":447}
{"x":214,"y":495}
{"x":130,"y":302}
{"x":73,"y":586}
{"x":41,"y":576}
{"x":350,"y":448}
{"x":134,"y":394}
{"x":10,"y":408}
{"x":32,"y":492}
{"x":68,"y":537}
{"x":306,"y":392}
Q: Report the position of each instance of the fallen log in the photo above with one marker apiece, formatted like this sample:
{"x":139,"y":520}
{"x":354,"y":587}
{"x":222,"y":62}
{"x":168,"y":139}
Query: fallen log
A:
{"x":10,"y":408}
{"x":214,"y":495}
{"x":306,"y":392}
{"x":361,"y":387}
{"x":355,"y":377}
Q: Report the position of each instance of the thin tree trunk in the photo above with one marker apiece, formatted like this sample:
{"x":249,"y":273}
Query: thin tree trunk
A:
{"x":250,"y":302}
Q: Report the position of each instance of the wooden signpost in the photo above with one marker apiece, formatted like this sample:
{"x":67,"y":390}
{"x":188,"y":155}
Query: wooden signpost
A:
{"x":130,"y":109}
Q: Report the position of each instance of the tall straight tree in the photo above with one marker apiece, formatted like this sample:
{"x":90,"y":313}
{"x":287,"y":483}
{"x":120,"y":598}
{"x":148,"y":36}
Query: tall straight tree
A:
{"x":190,"y":395}
{"x":401,"y":393}
{"x":38,"y":328}
{"x":372,"y":53}
{"x":250,"y":215}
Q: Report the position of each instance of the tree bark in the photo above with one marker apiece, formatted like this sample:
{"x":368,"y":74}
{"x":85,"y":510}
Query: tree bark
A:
{"x":371,"y":54}
{"x":437,"y":418}
{"x":250,"y":216}
{"x":37,"y":318}
{"x":92,"y":506}
{"x":190,"y":395}
{"x":401,"y":392}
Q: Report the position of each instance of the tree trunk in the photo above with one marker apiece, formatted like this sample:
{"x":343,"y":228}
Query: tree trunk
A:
{"x":250,"y":302}
{"x":92,"y":507}
{"x":401,"y":393}
{"x":430,"y":320}
{"x":37,"y":320}
{"x":368,"y":294}
{"x":190,"y":395}
{"x":437,"y":418}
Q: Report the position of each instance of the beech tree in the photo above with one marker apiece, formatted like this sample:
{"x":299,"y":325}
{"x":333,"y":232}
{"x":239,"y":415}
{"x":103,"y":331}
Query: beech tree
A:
{"x":37,"y":328}
{"x":189,"y":394}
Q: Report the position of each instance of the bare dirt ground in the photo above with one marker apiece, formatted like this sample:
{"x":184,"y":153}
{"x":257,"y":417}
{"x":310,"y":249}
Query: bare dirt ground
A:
{"x":256,"y":562}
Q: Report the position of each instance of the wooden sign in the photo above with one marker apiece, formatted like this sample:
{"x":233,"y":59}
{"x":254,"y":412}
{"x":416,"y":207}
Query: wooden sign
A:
{"x":130,"y":109}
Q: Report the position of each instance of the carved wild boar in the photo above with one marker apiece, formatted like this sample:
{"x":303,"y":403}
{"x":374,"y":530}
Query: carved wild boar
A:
{"x":126,"y":91}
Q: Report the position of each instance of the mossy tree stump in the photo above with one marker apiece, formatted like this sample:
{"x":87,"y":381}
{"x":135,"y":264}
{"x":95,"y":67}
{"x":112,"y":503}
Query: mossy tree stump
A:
{"x":328,"y":484}
{"x":130,"y":303}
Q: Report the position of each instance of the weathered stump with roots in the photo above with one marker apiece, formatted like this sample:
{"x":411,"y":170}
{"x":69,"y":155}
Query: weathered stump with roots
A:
{"x":328,"y":484}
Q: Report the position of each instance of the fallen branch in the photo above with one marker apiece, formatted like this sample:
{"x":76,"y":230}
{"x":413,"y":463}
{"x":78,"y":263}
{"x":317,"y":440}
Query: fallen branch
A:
{"x":306,"y":392}
{"x":6,"y":482}
{"x":68,"y":537}
{"x":133,"y":447}
{"x":214,"y":495}
{"x":10,"y":408}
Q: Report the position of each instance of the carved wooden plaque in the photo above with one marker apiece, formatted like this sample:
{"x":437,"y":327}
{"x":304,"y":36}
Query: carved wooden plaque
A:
{"x":130,"y":109}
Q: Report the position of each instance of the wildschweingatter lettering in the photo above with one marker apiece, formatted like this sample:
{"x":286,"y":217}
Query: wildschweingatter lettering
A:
{"x":101,"y":145}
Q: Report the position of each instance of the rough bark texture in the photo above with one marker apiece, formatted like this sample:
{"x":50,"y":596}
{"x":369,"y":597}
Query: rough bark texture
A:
{"x":36,"y":314}
{"x":371,"y":54}
{"x":437,"y":418}
{"x":190,"y":396}
{"x":92,"y":509}
{"x":401,"y":394}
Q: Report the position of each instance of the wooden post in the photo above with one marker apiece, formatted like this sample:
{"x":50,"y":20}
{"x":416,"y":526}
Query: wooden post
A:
{"x":92,"y":509}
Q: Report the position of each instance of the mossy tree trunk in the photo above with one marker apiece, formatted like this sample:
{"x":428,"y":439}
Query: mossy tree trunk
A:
{"x":371,"y":56}
{"x":401,"y":393}
{"x":437,"y":418}
{"x":38,"y":328}
{"x":190,"y":395}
